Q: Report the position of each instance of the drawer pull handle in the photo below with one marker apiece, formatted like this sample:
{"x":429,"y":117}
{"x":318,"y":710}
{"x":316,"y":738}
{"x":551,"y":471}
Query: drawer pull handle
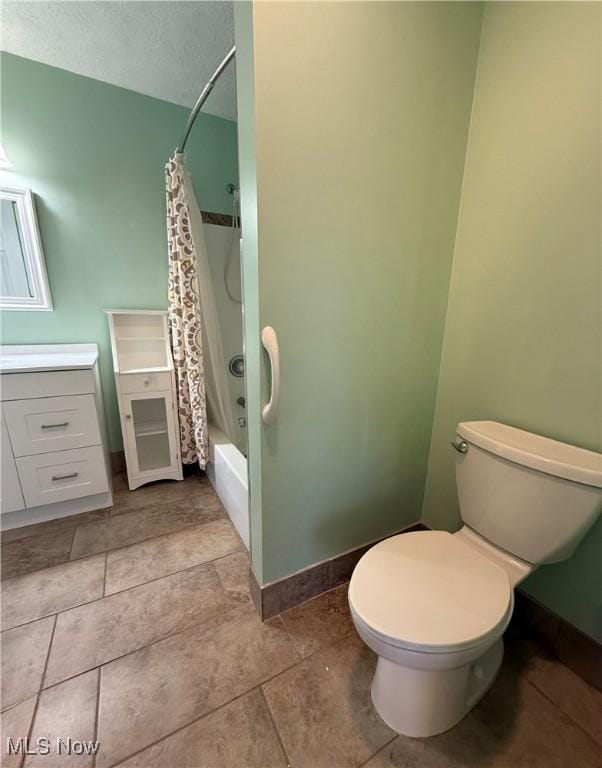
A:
{"x":54,"y":426}
{"x":64,"y":477}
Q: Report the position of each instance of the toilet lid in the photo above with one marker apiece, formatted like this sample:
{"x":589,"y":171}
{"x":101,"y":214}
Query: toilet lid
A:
{"x":429,"y":591}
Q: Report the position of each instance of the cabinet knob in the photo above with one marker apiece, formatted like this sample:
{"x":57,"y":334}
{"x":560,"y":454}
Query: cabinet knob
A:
{"x":147,"y":381}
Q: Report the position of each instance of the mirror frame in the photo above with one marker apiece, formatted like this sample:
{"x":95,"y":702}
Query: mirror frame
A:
{"x":32,"y":251}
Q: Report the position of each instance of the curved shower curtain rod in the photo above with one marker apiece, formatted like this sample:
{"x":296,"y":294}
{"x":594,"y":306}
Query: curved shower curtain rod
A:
{"x":203,"y":97}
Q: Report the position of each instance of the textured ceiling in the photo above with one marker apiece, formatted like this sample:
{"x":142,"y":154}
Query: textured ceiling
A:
{"x":163,"y":49}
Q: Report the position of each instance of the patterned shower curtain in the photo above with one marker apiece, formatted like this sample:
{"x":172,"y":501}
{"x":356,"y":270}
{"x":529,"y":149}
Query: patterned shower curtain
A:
{"x":185,"y":320}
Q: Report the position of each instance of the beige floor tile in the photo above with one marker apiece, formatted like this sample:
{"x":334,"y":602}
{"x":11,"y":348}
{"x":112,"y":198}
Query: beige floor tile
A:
{"x":233,"y":572}
{"x":95,"y":633}
{"x":468,"y":745}
{"x":42,"y":593}
{"x":529,"y":730}
{"x":140,"y":525}
{"x":153,"y":692}
{"x":52,"y":526}
{"x":574,"y":696}
{"x":138,"y":563}
{"x":150,"y":495}
{"x":238,"y":735}
{"x":320,"y":621}
{"x":24,"y":652}
{"x":323,"y":710}
{"x":36,"y":552}
{"x":66,"y":711}
{"x":14,"y":725}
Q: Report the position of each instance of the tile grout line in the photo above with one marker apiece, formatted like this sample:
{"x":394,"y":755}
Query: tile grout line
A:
{"x":143,"y":541}
{"x":75,"y":527}
{"x":56,"y":620}
{"x":142,"y":647}
{"x":315,"y":597}
{"x":522,"y":671}
{"x":97,"y":713}
{"x":275,"y":727}
{"x":105,"y":520}
{"x":378,"y":751}
{"x":64,"y":528}
{"x":120,"y":591}
{"x":39,"y":693}
{"x":186,"y":725}
{"x":561,"y":710}
{"x":104,"y":578}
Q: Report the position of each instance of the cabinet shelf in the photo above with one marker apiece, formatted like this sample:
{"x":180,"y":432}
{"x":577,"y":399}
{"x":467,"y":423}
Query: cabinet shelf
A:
{"x":139,"y":338}
{"x":147,"y":369}
{"x":147,"y":428}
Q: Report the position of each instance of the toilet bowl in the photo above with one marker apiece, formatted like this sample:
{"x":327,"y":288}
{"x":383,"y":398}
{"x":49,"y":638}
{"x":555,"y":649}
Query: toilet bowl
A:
{"x":434,"y":606}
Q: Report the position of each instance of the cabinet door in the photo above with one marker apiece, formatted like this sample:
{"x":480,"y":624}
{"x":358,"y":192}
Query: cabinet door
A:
{"x":150,"y":434}
{"x":11,"y":496}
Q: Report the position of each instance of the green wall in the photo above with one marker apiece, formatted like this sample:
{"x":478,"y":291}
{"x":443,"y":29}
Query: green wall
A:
{"x":523,"y":338}
{"x":358,"y":122}
{"x":94,"y":155}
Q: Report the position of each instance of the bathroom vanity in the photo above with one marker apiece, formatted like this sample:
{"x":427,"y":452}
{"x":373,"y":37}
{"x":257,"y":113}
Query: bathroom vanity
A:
{"x":53,"y":448}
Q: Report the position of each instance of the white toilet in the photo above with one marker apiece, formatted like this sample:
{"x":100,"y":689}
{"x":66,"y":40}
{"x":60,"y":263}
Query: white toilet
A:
{"x":434,"y":605}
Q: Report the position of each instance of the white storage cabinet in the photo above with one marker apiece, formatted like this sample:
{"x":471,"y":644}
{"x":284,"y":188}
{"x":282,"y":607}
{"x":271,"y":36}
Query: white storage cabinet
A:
{"x":145,"y":381}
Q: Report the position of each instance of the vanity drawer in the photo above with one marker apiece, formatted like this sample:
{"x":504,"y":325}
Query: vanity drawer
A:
{"x":51,"y":424}
{"x":63,"y":475}
{"x":144,"y":382}
{"x":18,"y":386}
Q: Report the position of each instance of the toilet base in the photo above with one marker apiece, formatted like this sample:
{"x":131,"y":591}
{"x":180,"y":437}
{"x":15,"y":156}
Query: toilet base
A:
{"x":424,"y":702}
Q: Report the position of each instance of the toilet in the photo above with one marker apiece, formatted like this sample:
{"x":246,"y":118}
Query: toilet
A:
{"x":433,"y":605}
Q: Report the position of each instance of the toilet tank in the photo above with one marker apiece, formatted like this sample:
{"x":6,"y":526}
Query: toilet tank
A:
{"x":533,"y":497}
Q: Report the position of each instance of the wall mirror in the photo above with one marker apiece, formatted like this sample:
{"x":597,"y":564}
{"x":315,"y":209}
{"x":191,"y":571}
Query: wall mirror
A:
{"x":23,"y":278}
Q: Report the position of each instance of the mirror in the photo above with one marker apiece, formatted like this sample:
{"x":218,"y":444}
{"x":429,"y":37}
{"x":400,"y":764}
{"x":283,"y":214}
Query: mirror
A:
{"x":23,"y":278}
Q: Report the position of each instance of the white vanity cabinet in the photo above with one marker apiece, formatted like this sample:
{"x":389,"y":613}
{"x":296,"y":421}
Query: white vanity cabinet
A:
{"x":11,"y":495}
{"x":53,"y":445}
{"x":145,"y":381}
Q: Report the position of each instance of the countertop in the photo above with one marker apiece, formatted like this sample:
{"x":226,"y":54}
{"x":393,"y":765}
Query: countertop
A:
{"x":29,"y":358}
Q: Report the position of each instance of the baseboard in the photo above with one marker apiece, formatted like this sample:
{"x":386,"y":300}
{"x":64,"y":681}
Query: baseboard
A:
{"x":277,"y":596}
{"x":576,"y":650}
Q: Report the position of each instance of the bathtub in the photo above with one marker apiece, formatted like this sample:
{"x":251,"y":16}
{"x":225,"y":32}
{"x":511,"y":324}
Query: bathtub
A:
{"x":227,"y":473}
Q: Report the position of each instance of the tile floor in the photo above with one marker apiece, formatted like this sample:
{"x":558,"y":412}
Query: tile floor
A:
{"x":134,"y":626}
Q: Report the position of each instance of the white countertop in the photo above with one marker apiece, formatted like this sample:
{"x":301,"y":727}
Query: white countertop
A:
{"x":15,"y":358}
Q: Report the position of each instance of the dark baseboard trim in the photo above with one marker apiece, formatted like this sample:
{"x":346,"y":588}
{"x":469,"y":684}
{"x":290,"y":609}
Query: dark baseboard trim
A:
{"x":271,"y":599}
{"x":576,"y":650}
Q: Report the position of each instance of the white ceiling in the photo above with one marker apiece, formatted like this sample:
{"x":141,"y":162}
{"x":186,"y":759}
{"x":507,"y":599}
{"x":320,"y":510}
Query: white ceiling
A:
{"x":164,"y":49}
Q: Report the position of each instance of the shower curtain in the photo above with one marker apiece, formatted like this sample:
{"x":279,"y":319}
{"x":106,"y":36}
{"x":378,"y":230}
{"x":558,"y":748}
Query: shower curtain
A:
{"x":196,"y":341}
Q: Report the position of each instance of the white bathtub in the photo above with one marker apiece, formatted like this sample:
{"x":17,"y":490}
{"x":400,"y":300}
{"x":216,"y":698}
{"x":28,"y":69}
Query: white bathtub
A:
{"x":227,"y":472}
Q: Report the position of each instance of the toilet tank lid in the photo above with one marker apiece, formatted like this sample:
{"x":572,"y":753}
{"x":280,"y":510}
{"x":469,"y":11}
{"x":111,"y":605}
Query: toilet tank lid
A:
{"x":534,"y":451}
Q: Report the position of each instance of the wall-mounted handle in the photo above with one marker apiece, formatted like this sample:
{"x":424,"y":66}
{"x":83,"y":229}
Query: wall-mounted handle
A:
{"x":270,"y":343}
{"x":54,"y":426}
{"x":64,"y":477}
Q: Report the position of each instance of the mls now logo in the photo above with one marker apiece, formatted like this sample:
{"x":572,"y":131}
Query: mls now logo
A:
{"x":44,"y":746}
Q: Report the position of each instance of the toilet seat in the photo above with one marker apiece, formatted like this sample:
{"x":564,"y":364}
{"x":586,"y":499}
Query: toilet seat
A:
{"x":430,"y":592}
